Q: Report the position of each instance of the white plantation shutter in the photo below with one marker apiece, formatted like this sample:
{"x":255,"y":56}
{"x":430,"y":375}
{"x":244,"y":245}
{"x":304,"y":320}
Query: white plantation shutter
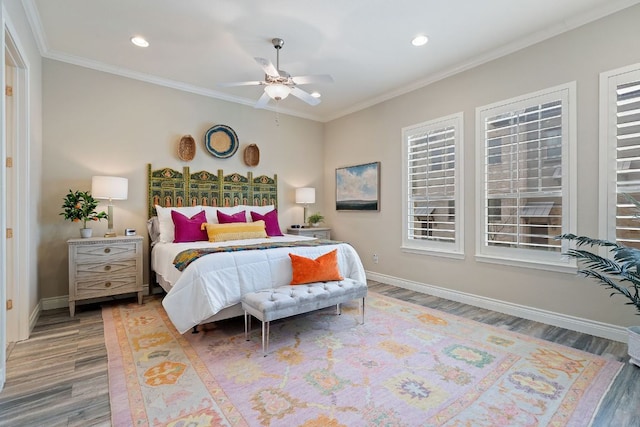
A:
{"x":431,"y":161}
{"x":523,"y":180}
{"x":624,"y":124}
{"x":524,"y":172}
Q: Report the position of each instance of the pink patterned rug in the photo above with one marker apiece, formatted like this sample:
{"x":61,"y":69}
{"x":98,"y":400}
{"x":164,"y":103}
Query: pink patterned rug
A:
{"x":406,"y":366}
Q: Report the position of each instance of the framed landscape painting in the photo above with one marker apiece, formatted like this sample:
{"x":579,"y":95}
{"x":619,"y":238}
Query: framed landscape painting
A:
{"x":358,"y":187}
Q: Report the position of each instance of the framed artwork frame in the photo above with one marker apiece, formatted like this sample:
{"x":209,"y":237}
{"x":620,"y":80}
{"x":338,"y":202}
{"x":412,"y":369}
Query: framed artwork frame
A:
{"x":358,"y":187}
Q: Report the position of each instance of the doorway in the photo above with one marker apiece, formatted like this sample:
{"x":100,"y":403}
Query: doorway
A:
{"x":15,"y":286}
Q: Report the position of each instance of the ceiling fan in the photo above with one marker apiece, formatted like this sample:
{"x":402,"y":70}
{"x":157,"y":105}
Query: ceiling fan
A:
{"x":278,"y":84}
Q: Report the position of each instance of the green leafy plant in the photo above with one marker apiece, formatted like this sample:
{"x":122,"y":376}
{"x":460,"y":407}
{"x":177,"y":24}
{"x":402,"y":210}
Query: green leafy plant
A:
{"x":81,"y":206}
{"x":620,"y":273}
{"x":315,"y":218}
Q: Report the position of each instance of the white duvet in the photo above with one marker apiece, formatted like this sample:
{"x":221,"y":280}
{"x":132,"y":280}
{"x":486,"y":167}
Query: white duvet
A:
{"x":216,"y":281}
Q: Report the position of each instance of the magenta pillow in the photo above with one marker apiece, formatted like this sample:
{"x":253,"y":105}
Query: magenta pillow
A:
{"x":223,"y":218}
{"x":270,"y":222}
{"x":188,"y":229}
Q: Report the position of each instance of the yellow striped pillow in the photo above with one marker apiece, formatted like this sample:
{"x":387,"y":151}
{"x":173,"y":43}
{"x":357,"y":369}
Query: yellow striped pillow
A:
{"x":234,"y":231}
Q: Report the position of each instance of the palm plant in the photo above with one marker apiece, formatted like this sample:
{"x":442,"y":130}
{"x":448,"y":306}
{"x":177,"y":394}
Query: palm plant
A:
{"x":620,"y":273}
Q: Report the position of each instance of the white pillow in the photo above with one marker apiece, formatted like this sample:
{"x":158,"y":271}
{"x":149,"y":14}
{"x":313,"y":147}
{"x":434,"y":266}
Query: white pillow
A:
{"x":167,"y":229}
{"x":262,"y":210}
{"x":212,"y":215}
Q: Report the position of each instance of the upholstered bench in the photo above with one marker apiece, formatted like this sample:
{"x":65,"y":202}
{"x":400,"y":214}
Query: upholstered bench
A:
{"x":285,"y":301}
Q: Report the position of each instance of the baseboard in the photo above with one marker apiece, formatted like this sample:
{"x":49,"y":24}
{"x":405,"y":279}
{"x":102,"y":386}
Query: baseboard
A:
{"x":54,"y":302}
{"x":63,"y":301}
{"x":599,"y":329}
{"x":35,"y":314}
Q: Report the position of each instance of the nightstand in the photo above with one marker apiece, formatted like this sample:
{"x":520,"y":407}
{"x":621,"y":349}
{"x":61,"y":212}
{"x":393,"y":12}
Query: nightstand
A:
{"x":104,"y":266}
{"x":318,"y":232}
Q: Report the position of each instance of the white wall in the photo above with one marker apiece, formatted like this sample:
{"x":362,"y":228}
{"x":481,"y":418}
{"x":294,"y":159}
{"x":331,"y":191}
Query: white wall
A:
{"x":374,"y":134}
{"x":96,"y":123}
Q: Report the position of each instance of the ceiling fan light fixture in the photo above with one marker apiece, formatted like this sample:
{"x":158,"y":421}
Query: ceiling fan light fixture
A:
{"x":277,"y":91}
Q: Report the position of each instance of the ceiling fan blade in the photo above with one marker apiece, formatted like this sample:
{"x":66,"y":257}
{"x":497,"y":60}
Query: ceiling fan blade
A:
{"x":230,"y":84}
{"x":299,"y":93}
{"x":263,"y":101}
{"x":267,"y":66}
{"x":318,"y":78}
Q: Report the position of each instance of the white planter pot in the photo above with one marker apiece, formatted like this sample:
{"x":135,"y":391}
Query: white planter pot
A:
{"x":85,"y":233}
{"x":634,"y":344}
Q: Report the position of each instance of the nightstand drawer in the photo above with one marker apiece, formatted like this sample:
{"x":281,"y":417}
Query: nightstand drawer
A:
{"x":104,"y":252}
{"x":105,"y":267}
{"x":99,"y":286}
{"x":317,"y":232}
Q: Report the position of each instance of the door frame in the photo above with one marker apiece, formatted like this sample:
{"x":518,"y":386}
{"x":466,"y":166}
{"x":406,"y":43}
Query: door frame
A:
{"x":21,"y":259}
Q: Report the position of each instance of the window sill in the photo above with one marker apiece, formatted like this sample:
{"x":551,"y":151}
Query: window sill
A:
{"x":535,"y":264}
{"x":432,"y":252}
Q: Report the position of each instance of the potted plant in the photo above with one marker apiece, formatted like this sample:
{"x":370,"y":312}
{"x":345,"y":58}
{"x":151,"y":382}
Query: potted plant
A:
{"x":619,"y":273}
{"x":81,"y":206}
{"x":315,"y":219}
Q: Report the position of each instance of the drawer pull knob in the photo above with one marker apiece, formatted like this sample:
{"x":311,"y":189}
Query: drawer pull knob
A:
{"x":107,"y":267}
{"x":107,"y":285}
{"x":107,"y":250}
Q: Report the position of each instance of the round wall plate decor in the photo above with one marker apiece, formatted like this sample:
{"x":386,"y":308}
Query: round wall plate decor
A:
{"x":221,"y":141}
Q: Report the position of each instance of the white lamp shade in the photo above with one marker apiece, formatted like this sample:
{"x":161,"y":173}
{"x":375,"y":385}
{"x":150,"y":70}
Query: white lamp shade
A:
{"x":109,"y":187}
{"x":305,"y":195}
{"x":277,"y":91}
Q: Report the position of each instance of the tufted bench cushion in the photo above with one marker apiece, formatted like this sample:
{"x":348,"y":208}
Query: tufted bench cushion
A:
{"x":285,"y":301}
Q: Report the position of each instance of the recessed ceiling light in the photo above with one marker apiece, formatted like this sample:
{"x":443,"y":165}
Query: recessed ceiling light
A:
{"x":420,"y":40}
{"x":316,"y":94}
{"x":139,"y":41}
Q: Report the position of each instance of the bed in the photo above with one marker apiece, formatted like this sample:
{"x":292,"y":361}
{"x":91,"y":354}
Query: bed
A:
{"x":210,"y":286}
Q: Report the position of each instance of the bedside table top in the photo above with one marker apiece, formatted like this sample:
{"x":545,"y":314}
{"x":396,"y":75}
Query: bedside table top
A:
{"x":309,"y":228}
{"x":102,"y":240}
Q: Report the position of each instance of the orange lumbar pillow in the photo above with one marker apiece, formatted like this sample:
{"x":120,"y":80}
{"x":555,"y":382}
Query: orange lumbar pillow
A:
{"x":234,"y":231}
{"x":322,"y":269}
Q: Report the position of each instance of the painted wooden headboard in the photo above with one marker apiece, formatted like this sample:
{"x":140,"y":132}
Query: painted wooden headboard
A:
{"x":168,"y":187}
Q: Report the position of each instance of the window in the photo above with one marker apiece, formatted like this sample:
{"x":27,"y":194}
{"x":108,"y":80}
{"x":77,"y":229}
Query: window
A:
{"x":524,"y":178}
{"x":432,"y":165}
{"x":620,"y":154}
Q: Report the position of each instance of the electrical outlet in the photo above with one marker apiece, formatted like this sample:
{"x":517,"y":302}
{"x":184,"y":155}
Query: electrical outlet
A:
{"x":375,"y":258}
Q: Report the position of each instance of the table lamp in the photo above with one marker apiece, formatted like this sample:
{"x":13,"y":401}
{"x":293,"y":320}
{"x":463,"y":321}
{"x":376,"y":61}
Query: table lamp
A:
{"x":305,"y":195}
{"x":110,"y":188}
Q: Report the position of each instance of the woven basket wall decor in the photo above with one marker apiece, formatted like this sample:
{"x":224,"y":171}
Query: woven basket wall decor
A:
{"x":186,"y":148}
{"x":252,"y":155}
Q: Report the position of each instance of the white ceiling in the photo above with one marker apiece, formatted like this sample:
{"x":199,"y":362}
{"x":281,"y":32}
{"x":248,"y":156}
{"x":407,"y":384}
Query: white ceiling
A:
{"x":364,"y":44}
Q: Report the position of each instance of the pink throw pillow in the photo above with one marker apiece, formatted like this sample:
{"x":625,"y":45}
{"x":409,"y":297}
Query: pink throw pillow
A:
{"x":271,"y":222}
{"x":223,"y":218}
{"x":188,"y":229}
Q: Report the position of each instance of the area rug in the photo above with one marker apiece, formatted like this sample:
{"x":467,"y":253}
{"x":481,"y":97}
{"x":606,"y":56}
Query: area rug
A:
{"x":407,"y":365}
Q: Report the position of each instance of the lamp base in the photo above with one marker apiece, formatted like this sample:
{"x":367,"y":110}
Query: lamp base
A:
{"x":111,"y":234}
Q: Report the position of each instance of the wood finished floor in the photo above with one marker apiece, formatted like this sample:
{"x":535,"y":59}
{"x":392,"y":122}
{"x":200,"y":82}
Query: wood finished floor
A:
{"x":58,"y":377}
